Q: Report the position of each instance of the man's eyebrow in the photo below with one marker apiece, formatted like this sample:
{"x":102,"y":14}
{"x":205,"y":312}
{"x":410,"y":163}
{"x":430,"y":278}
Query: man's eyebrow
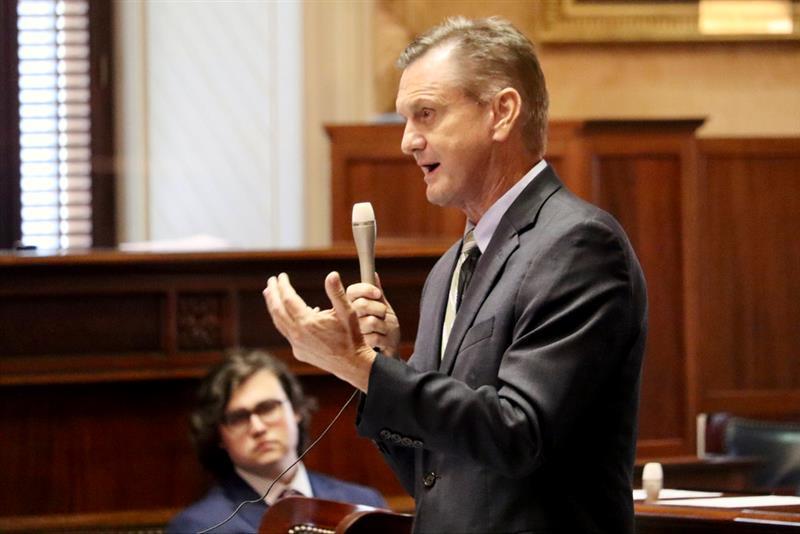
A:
{"x":268,"y":399}
{"x":422,"y":100}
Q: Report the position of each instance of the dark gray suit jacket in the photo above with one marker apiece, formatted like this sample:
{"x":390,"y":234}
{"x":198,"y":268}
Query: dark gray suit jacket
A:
{"x":223,"y":499}
{"x":528,"y":424}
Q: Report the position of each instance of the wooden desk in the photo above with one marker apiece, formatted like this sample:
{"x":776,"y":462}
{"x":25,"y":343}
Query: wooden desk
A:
{"x":711,"y":473}
{"x":665,"y":519}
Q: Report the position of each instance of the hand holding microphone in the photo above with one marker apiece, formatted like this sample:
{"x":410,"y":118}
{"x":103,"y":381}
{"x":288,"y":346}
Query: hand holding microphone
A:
{"x":376,"y":318}
{"x":338,"y":339}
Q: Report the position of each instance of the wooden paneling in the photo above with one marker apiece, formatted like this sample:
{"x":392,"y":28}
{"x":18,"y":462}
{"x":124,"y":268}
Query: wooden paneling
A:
{"x":368,"y":166}
{"x":643,"y":193}
{"x":96,"y":447}
{"x":85,"y":322}
{"x":150,"y":521}
{"x":79,"y":448}
{"x":100,"y":356}
{"x":637,"y":171}
{"x":69,"y":318}
{"x":748,"y":264}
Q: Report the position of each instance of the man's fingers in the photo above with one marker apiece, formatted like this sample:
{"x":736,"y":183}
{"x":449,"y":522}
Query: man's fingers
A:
{"x":337,"y":295}
{"x":372,"y":325}
{"x":294,"y":305}
{"x":275,"y":306}
{"x":363,"y":290}
{"x":367,"y":308}
{"x":284,"y":304}
{"x":341,"y":306}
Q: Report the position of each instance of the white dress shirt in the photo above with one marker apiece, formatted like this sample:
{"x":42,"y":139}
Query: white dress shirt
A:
{"x":485,"y":228}
{"x":300,"y":483}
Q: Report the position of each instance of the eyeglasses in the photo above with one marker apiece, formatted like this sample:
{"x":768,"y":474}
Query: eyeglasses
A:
{"x":267,"y":410}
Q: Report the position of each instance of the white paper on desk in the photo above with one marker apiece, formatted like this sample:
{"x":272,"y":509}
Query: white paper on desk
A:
{"x":640,"y":495}
{"x":746,"y":501}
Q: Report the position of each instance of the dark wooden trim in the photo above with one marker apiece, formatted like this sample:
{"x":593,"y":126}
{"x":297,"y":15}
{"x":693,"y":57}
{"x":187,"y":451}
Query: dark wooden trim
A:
{"x":163,"y":316}
{"x":760,"y":147}
{"x":753,"y":403}
{"x":102,"y":109}
{"x":127,"y":521}
{"x":9,"y":127}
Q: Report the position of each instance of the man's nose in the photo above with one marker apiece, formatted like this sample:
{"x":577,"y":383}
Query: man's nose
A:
{"x":412,"y":141}
{"x":256,"y":423}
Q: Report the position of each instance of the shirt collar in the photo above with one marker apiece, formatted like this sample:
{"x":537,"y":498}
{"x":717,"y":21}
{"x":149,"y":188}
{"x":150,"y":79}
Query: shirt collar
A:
{"x":485,"y":228}
{"x":300,"y":482}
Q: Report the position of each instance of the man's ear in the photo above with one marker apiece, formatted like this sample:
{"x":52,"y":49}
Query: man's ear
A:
{"x":506,"y":106}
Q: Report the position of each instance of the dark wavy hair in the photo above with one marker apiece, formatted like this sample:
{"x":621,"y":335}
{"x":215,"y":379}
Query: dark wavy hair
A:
{"x":215,"y":391}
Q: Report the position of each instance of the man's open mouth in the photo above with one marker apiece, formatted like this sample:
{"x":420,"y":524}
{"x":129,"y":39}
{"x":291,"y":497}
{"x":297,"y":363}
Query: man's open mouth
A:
{"x":430,"y":167}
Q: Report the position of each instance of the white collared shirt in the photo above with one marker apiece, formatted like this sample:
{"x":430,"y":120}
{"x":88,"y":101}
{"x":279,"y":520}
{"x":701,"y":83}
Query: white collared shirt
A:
{"x":300,"y":483}
{"x":485,"y":228}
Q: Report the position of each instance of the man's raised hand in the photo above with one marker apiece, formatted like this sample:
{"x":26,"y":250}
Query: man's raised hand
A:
{"x":328,"y":339}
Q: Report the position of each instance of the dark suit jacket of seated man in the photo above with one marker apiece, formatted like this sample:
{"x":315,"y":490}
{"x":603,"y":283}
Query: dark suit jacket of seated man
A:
{"x":250,"y":425}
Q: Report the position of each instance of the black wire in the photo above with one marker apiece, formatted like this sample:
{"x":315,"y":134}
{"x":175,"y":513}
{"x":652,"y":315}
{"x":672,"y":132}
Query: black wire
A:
{"x":254,"y":501}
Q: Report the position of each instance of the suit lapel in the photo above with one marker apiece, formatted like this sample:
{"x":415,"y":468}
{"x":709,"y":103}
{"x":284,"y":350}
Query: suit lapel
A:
{"x":319,"y":485}
{"x":486,"y":272}
{"x":237,"y":490}
{"x":520,"y":216}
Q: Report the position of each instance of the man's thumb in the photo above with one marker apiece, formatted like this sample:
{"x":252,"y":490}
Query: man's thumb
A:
{"x":337,"y":294}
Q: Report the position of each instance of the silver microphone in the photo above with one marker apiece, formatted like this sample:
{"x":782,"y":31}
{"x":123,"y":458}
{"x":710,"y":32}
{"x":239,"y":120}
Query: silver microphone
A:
{"x":364,"y":233}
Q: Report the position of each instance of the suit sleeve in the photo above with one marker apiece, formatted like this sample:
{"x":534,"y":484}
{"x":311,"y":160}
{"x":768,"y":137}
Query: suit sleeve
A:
{"x":572,"y":325}
{"x":400,"y":459}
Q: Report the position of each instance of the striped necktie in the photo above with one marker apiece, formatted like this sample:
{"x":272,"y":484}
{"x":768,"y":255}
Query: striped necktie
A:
{"x":462,"y":274}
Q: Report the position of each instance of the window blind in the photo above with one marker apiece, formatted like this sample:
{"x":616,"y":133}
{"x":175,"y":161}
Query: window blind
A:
{"x":55,"y":126}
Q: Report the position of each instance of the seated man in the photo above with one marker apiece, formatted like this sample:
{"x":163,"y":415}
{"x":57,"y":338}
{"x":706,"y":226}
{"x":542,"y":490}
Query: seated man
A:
{"x":251,"y":423}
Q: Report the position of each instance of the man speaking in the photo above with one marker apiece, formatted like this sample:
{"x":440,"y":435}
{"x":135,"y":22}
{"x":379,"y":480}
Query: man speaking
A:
{"x":517,"y":411}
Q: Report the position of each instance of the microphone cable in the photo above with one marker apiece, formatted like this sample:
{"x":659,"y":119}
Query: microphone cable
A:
{"x":254,"y":501}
